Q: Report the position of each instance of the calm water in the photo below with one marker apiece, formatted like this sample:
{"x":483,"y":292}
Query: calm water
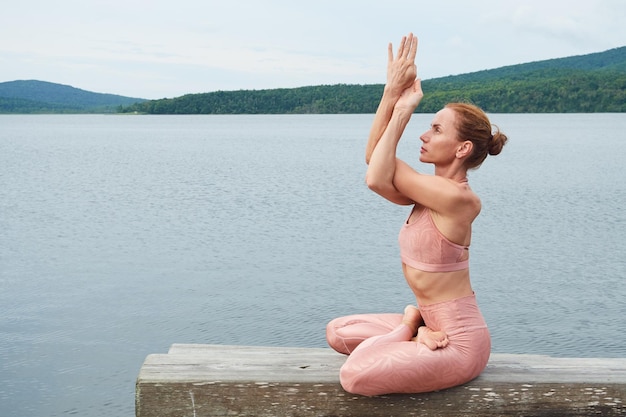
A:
{"x":121,"y":235}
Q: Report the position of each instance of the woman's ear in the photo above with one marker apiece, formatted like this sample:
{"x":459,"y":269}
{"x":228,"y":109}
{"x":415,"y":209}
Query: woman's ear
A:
{"x":464,"y":149}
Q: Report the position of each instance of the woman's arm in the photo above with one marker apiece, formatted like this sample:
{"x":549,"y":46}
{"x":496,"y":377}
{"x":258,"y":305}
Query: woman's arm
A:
{"x":442,"y":195}
{"x":381,"y":170}
{"x":401,"y":73}
{"x":382,"y":167}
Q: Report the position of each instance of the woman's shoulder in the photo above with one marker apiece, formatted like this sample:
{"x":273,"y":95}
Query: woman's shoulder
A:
{"x":446,"y":196}
{"x":467,"y":200}
{"x":458,"y":201}
{"x":457,"y":196}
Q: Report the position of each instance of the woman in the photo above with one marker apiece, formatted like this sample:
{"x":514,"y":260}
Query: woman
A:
{"x":444,"y":342}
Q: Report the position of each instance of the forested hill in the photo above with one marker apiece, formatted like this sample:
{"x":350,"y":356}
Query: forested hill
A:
{"x":586,"y":83}
{"x":579,"y":84}
{"x":32,"y":96}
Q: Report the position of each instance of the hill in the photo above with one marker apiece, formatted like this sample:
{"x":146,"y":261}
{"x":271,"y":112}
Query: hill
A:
{"x":586,"y":83}
{"x":32,"y":96}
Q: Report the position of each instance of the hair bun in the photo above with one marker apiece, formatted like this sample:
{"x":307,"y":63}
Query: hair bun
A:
{"x":497,"y":141}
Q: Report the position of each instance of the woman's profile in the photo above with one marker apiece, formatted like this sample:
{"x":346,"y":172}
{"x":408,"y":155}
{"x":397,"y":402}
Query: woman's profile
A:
{"x":443,"y":341}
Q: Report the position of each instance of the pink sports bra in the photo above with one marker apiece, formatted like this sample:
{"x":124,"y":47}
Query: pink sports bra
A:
{"x":423,"y":247}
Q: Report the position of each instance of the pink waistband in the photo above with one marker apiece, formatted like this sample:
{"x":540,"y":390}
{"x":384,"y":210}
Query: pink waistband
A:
{"x":454,"y":316}
{"x":469,"y":299}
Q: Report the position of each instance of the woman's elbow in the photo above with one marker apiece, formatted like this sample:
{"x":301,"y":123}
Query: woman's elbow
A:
{"x":382,"y":188}
{"x":387,"y":190}
{"x":373,"y":183}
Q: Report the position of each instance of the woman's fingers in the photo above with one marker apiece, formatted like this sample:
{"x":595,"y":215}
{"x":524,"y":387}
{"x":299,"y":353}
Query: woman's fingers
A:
{"x":407,"y":46}
{"x":401,"y":69}
{"x":401,"y":48}
{"x":407,"y":49}
{"x":413,"y":48}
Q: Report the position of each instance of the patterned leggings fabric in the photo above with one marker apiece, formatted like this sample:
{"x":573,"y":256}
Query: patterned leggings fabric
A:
{"x":384,"y":360}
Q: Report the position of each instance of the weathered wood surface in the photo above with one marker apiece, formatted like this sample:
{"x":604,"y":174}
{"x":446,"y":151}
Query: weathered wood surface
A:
{"x":215,"y":380}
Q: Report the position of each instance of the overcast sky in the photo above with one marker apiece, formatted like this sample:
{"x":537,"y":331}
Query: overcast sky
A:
{"x":155,"y":48}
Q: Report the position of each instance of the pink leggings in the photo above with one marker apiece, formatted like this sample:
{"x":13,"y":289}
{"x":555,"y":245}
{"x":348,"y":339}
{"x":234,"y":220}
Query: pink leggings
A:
{"x":384,"y":360}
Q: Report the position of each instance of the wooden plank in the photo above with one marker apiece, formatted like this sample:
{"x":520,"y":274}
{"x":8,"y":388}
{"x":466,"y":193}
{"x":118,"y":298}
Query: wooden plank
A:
{"x":193,"y":363}
{"x":185,"y":363}
{"x":215,"y":380}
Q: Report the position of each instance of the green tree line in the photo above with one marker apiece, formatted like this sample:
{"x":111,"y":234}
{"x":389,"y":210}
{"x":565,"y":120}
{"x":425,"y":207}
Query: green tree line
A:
{"x":540,"y":91}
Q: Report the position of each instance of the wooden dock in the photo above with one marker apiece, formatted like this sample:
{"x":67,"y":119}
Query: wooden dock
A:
{"x":215,"y":380}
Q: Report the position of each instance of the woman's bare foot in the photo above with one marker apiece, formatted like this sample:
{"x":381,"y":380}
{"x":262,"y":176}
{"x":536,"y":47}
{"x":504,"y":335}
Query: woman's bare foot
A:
{"x":412,"y":318}
{"x":434,"y":340}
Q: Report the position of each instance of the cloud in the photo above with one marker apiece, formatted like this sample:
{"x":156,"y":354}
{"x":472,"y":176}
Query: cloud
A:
{"x":156,"y":48}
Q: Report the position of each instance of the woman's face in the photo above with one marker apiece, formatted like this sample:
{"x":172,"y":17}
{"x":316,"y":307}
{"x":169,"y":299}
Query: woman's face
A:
{"x":440,"y":143}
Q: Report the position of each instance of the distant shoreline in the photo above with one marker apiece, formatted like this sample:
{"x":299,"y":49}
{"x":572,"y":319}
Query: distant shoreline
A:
{"x":592,"y":83}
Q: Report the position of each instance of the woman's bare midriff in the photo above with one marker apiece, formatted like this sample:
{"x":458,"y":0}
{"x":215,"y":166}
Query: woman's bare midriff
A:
{"x":435,"y":287}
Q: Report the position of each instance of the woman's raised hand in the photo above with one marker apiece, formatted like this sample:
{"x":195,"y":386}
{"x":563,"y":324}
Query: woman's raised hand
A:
{"x":401,"y":70}
{"x":410,"y":97}
{"x":401,"y":74}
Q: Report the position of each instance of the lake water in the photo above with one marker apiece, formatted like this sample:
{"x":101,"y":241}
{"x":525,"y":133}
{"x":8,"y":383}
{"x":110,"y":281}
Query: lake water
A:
{"x":120,"y":235}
